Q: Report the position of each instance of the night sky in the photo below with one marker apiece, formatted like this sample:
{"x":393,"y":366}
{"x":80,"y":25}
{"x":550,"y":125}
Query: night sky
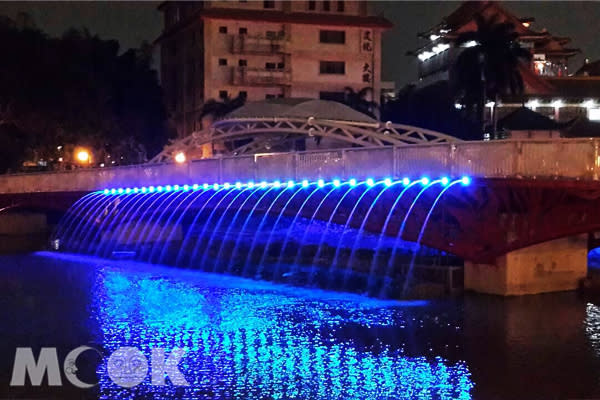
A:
{"x":133,"y":22}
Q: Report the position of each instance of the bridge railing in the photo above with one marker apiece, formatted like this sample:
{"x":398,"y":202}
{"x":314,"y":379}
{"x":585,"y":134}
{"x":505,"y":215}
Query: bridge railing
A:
{"x":556,"y":158}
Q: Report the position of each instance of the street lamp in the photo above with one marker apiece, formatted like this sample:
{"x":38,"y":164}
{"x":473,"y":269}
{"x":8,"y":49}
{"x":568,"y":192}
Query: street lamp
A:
{"x":180,"y":157}
{"x":83,"y":156}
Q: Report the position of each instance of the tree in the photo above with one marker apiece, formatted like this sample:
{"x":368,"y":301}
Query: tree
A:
{"x":359,"y":101}
{"x":488,"y":66}
{"x":77,"y":90}
{"x":218,"y":109}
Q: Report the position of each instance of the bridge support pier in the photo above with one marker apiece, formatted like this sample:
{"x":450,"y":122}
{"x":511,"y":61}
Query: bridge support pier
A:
{"x":552,"y":266}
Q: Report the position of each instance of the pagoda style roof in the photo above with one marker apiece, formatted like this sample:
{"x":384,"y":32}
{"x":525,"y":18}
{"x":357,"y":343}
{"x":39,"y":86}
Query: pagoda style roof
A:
{"x":524,"y":119}
{"x":589,"y":69}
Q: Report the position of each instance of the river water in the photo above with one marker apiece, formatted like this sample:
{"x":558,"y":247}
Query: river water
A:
{"x":249,"y":339}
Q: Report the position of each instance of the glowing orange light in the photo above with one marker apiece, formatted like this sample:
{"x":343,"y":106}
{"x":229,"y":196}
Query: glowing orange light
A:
{"x":83,"y":156}
{"x":180,"y":157}
{"x":526,"y":24}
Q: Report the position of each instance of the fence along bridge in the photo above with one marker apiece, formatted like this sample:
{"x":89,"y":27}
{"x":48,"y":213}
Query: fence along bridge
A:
{"x":529,"y":210}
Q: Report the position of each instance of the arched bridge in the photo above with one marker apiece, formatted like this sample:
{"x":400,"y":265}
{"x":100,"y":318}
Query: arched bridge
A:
{"x":525,"y":211}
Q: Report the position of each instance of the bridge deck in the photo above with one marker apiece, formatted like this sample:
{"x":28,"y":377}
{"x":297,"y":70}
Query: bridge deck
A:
{"x":572,"y":159}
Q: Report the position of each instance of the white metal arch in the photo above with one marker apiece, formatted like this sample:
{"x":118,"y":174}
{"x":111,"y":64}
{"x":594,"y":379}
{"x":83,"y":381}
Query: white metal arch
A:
{"x":269,"y":133}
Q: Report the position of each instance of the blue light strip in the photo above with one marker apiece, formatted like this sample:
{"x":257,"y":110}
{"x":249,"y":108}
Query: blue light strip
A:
{"x":370,"y":182}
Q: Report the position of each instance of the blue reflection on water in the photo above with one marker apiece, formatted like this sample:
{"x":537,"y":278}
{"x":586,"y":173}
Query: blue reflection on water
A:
{"x":248,"y":339}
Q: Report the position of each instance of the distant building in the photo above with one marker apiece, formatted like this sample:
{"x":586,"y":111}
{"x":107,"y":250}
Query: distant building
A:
{"x":550,"y":89}
{"x":265,"y":49}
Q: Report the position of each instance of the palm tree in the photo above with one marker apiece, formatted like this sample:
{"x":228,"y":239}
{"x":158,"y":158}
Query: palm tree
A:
{"x":218,"y":109}
{"x":488,"y":67}
{"x":359,"y":101}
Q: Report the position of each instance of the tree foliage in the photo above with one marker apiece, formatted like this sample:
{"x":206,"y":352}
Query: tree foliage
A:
{"x":77,"y":90}
{"x":491,"y":63}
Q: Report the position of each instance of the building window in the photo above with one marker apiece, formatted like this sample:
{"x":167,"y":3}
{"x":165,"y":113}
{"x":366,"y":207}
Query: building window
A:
{"x":222,"y":62}
{"x":223,"y":94}
{"x":332,"y":67}
{"x":270,"y":65}
{"x":243,"y":31}
{"x":280,"y":65}
{"x":332,"y":96}
{"x":326,"y":5}
{"x":243,"y":63}
{"x":312,"y":5}
{"x":243,"y":94}
{"x":340,"y":6}
{"x":269,"y":4}
{"x":269,"y":96}
{"x":280,"y":96}
{"x":222,"y":29}
{"x":337,"y":37}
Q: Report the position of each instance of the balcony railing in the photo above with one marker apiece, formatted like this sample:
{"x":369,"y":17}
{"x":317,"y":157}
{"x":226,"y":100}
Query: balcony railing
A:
{"x":260,"y":77}
{"x":244,"y":44}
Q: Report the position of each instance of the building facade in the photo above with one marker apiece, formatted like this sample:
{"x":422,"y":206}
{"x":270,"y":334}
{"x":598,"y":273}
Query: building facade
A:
{"x":265,"y":49}
{"x":550,"y":87}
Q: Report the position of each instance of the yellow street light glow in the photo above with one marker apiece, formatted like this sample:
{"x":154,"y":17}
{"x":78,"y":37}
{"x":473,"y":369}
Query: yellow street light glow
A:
{"x":180,"y":157}
{"x":83,"y":156}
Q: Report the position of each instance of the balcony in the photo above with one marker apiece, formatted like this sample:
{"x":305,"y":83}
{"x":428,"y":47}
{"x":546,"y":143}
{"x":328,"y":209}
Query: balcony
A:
{"x":244,"y":44}
{"x":245,"y":76}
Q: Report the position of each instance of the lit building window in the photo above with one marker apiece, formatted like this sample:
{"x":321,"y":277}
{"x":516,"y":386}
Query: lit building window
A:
{"x":594,"y":114}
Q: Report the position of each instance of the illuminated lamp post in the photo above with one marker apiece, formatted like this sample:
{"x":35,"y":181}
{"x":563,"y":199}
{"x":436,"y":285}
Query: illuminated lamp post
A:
{"x":83,"y":156}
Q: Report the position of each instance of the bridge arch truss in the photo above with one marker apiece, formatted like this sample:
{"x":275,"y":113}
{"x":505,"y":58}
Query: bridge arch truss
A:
{"x":269,"y":134}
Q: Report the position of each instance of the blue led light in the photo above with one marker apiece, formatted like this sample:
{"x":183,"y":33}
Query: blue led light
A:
{"x":159,"y":189}
{"x":425,"y":181}
{"x":106,"y":191}
{"x":120,"y":190}
{"x":186,"y":188}
{"x":336,"y":183}
{"x":352,"y":182}
{"x":168,"y":188}
{"x":113,"y":191}
{"x":370,"y":182}
{"x":277,"y":184}
{"x":250,"y":184}
{"x":176,"y":187}
{"x":195,"y":186}
{"x":205,"y":186}
{"x":238,"y":185}
{"x":387,"y":182}
{"x":226,"y":185}
{"x":151,"y":189}
{"x":216,"y":186}
{"x":320,"y":183}
{"x":465,"y":180}
{"x":406,"y":181}
{"x":144,"y":190}
{"x":305,"y":183}
{"x":135,"y":190}
{"x":290,"y":183}
{"x":445,"y":181}
{"x":263,"y":184}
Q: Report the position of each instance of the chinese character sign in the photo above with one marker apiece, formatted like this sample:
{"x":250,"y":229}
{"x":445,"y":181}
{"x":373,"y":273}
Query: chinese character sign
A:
{"x":366,"y":41}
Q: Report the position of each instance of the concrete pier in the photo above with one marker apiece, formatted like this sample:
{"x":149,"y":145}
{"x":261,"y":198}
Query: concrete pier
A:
{"x":552,"y":266}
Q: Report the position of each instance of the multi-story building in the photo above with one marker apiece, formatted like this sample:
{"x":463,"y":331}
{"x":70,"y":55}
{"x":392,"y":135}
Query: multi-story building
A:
{"x":265,"y":49}
{"x":550,"y":88}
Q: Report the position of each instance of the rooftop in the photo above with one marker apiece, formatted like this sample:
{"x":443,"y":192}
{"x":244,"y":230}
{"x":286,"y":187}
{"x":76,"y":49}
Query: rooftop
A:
{"x":299,"y":108}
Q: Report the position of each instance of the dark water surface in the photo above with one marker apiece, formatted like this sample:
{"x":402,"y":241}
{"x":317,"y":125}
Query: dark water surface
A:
{"x":248,"y":339}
